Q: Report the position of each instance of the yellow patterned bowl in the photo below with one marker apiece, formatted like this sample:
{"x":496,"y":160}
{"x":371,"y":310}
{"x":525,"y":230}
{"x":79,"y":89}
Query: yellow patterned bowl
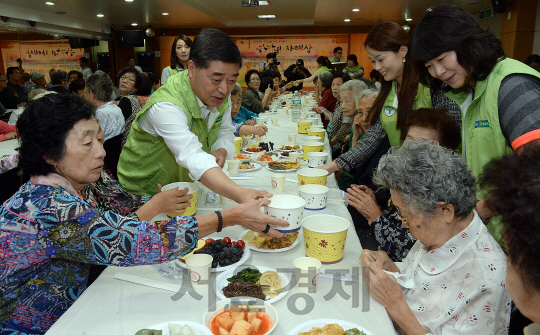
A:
{"x":193,"y":190}
{"x":303,"y":126}
{"x":317,"y":132}
{"x":324,"y":237}
{"x":312,"y":147}
{"x":312,"y":176}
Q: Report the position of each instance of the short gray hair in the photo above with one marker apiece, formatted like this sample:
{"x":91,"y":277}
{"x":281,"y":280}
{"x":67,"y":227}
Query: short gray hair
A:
{"x":35,"y":92}
{"x":424,"y":174}
{"x":100,"y":85}
{"x":370,"y":92}
{"x":326,"y":78}
{"x":356,"y":86}
{"x":237,"y":90}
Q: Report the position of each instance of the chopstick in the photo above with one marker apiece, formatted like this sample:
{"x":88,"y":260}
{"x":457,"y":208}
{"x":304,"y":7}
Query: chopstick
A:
{"x":342,"y":200}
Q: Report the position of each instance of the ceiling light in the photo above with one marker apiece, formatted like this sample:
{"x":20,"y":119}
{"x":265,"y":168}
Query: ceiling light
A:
{"x":134,"y":24}
{"x":263,"y":3}
{"x":266,"y":16}
{"x":356,"y":10}
{"x":100,"y":15}
{"x":129,"y":0}
{"x":164,"y":13}
{"x":50,"y":3}
{"x":347,"y":20}
{"x":408,"y":19}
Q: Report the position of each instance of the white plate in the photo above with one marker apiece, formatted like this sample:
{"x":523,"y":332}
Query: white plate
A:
{"x":308,"y":325}
{"x":256,"y":167}
{"x":291,"y":170}
{"x":197,"y":327}
{"x":283,"y":150}
{"x":245,"y":257}
{"x":221,"y":282}
{"x":292,"y":246}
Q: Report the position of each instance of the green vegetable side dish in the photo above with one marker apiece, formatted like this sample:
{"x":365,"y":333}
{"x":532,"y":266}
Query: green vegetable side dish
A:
{"x":277,"y":167}
{"x":354,"y":331}
{"x":250,"y":275}
{"x":148,"y":332}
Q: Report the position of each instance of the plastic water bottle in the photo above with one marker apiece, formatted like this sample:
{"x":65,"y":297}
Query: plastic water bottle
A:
{"x":296,"y":106}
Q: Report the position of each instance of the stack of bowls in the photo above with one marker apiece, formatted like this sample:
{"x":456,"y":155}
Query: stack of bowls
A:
{"x":324,"y":237}
{"x":319,"y":132}
{"x":303,"y":126}
{"x":312,"y":146}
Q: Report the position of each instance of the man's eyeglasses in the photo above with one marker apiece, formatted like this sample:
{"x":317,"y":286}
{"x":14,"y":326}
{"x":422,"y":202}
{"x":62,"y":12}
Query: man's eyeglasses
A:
{"x":131,"y":80}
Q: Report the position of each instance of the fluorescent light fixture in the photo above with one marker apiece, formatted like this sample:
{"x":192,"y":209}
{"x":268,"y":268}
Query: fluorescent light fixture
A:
{"x":347,"y":20}
{"x":408,"y":19}
{"x":266,"y":16}
{"x":356,"y":10}
{"x":50,"y":3}
{"x":134,"y":24}
{"x":129,"y":0}
{"x":164,"y":13}
{"x":100,"y":15}
{"x":263,"y":3}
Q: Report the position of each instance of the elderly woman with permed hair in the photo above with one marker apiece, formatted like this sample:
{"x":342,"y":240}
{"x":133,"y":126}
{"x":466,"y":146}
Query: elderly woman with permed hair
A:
{"x":453,"y":279}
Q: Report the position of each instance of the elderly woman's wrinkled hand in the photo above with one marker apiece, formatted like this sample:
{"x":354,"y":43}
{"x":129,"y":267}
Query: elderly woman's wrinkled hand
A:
{"x":382,"y":286}
{"x":171,"y":201}
{"x":363,"y":200}
{"x":380,"y":257}
{"x":260,"y":130}
{"x":251,"y":122}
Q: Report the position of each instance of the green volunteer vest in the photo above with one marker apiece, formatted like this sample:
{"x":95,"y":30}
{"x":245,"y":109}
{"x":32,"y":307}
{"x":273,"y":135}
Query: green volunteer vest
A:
{"x":146,"y":160}
{"x":172,"y":71}
{"x":484,"y":140}
{"x":388,"y":115}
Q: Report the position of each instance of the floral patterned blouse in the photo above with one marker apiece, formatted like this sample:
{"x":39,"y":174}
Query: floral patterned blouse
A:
{"x":49,"y":237}
{"x":391,"y":236}
{"x":460,"y":287}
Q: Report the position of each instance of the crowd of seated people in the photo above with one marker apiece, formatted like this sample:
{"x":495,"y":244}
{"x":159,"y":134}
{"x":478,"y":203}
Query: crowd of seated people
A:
{"x":426,"y":172}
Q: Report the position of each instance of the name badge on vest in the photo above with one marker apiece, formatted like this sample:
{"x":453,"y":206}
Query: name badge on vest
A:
{"x":389,"y":111}
{"x":481,"y":124}
{"x":219,"y":119}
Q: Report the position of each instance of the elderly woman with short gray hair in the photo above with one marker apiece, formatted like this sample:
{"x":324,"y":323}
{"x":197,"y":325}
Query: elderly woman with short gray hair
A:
{"x":99,"y":89}
{"x":453,"y":279}
{"x":328,"y":100}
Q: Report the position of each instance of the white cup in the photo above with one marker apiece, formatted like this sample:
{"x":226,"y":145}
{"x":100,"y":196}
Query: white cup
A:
{"x":316,"y":159}
{"x":306,"y":272}
{"x":233,"y":166}
{"x":295,"y":156}
{"x":274,"y":120}
{"x":262,"y":120}
{"x":199,"y":266}
{"x":292,"y":138}
{"x":278,"y":181}
{"x":246,"y":142}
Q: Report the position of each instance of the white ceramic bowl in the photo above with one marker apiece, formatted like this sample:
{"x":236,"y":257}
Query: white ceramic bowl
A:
{"x":315,"y":139}
{"x":287,"y":207}
{"x":262,"y":120}
{"x":314,"y":120}
{"x":255,"y":304}
{"x":314,"y":195}
{"x":315,"y":159}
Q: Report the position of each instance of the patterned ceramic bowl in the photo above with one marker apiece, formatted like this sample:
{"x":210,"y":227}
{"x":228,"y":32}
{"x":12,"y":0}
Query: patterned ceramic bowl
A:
{"x":303,"y":126}
{"x":324,"y":237}
{"x":312,"y":176}
{"x":314,"y":195}
{"x":193,"y":189}
{"x":287,"y":207}
{"x":312,"y":147}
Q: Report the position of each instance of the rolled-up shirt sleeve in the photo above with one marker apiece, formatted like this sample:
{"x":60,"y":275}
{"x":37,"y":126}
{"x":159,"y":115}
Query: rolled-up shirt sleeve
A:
{"x":225,"y":138}
{"x":168,"y":121}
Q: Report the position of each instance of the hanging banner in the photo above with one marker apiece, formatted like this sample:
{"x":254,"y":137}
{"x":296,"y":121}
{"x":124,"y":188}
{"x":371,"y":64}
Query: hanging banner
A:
{"x":288,"y":49}
{"x":41,"y":56}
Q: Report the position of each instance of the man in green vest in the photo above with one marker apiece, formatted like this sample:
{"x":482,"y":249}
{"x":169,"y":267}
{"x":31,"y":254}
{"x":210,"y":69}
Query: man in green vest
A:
{"x":184,"y":132}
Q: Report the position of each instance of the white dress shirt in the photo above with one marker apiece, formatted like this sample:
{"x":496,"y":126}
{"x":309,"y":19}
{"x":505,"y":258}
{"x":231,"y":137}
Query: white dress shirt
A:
{"x":166,"y":74}
{"x":166,"y":120}
{"x":460,"y":287}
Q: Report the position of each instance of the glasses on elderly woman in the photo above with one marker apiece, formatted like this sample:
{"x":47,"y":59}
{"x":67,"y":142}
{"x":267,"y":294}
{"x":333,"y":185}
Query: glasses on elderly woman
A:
{"x":404,"y":220}
{"x":128,"y":79}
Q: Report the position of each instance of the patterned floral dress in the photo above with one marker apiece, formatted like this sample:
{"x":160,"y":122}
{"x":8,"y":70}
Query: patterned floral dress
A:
{"x":50,"y":235}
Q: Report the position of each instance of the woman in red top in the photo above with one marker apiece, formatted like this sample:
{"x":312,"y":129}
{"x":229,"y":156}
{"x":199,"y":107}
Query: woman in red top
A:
{"x":7,"y":131}
{"x":328,"y":100}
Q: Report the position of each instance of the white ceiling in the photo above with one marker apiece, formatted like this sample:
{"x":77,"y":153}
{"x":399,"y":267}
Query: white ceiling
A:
{"x":80,"y":15}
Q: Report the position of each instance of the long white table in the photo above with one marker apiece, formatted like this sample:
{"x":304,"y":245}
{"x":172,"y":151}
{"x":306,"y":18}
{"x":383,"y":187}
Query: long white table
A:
{"x":112,"y":306}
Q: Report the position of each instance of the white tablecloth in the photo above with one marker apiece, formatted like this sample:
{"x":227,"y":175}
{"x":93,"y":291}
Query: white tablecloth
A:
{"x":8,"y":147}
{"x":111,"y":306}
